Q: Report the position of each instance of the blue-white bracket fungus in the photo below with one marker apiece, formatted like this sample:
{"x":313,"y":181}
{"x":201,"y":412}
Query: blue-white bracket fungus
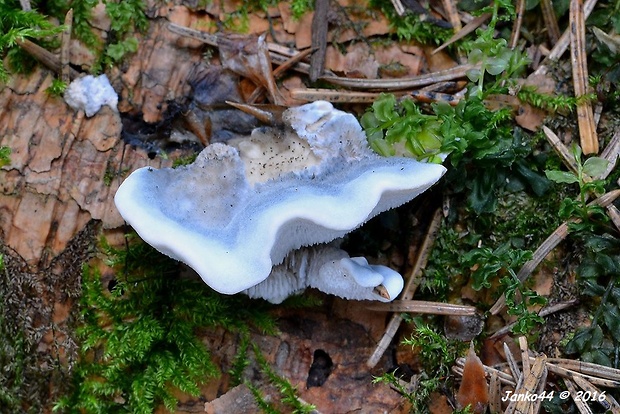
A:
{"x":237,"y":212}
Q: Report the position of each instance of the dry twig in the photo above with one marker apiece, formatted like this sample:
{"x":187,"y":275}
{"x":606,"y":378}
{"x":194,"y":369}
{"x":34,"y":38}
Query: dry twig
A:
{"x":384,"y":85}
{"x":585,"y":116}
{"x":65,"y":48}
{"x":469,"y":27}
{"x":532,"y":381}
{"x":452,"y":14}
{"x":412,"y":284}
{"x":562,"y":44}
{"x":422,"y":306}
{"x":319,"y":39}
{"x":332,"y":95}
{"x":516,"y":28}
{"x":553,"y":30}
{"x":565,"y":155}
{"x":546,"y":311}
{"x":46,"y":57}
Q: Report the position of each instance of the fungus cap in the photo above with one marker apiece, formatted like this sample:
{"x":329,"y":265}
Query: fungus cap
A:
{"x":232,"y":231}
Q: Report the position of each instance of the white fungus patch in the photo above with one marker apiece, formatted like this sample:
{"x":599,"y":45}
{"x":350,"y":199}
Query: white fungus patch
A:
{"x":90,"y":93}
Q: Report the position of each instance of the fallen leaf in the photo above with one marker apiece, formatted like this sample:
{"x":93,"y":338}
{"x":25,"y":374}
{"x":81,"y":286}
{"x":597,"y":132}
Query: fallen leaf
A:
{"x":474,"y":390}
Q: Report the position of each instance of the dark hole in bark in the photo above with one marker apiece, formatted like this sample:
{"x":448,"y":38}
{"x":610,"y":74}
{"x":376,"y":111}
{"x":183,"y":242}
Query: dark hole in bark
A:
{"x":320,"y":369}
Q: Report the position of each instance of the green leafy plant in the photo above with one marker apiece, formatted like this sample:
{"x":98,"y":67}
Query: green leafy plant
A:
{"x":139,"y":335}
{"x":473,"y":136}
{"x":483,"y":147}
{"x":489,"y":264}
{"x":552,"y":103}
{"x":598,"y":341}
{"x":600,"y":264}
{"x":126,"y":18}
{"x":300,"y":7}
{"x":82,"y":14}
{"x":419,"y":396}
{"x":444,"y":269}
{"x":436,"y":352}
{"x":520,"y":302}
{"x":585,"y":177}
{"x":395,"y":128}
{"x":492,"y":55}
{"x":598,"y":274}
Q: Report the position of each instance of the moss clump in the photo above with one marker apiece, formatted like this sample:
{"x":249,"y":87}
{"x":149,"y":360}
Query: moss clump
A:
{"x":139,"y":337}
{"x":36,"y":322}
{"x":17,"y":25}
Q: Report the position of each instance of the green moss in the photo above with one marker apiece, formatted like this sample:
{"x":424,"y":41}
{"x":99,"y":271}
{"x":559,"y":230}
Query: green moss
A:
{"x":57,"y":88}
{"x":287,"y":392}
{"x":300,"y":7}
{"x":138,"y":334}
{"x":411,"y":26}
{"x":184,"y":160}
{"x":16,"y":25}
{"x":437,"y":355}
{"x":5,"y":156}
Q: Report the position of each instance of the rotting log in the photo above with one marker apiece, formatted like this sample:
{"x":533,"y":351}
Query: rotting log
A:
{"x":65,"y":168}
{"x":64,"y":171}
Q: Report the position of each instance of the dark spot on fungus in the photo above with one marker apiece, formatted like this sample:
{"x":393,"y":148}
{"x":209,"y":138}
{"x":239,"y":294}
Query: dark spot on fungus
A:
{"x":320,"y":369}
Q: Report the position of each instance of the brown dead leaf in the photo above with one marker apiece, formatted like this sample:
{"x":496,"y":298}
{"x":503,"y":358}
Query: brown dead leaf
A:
{"x":438,"y":61}
{"x":249,"y":57}
{"x":289,"y":23}
{"x":438,"y":404}
{"x":530,"y":118}
{"x":257,"y":24}
{"x":289,"y":84}
{"x":474,"y":390}
{"x":412,"y":60}
{"x":303,"y":31}
{"x":358,"y":62}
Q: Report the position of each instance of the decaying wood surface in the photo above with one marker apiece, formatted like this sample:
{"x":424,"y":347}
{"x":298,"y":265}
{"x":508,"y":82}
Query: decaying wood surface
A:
{"x":348,"y":386}
{"x":65,"y":169}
